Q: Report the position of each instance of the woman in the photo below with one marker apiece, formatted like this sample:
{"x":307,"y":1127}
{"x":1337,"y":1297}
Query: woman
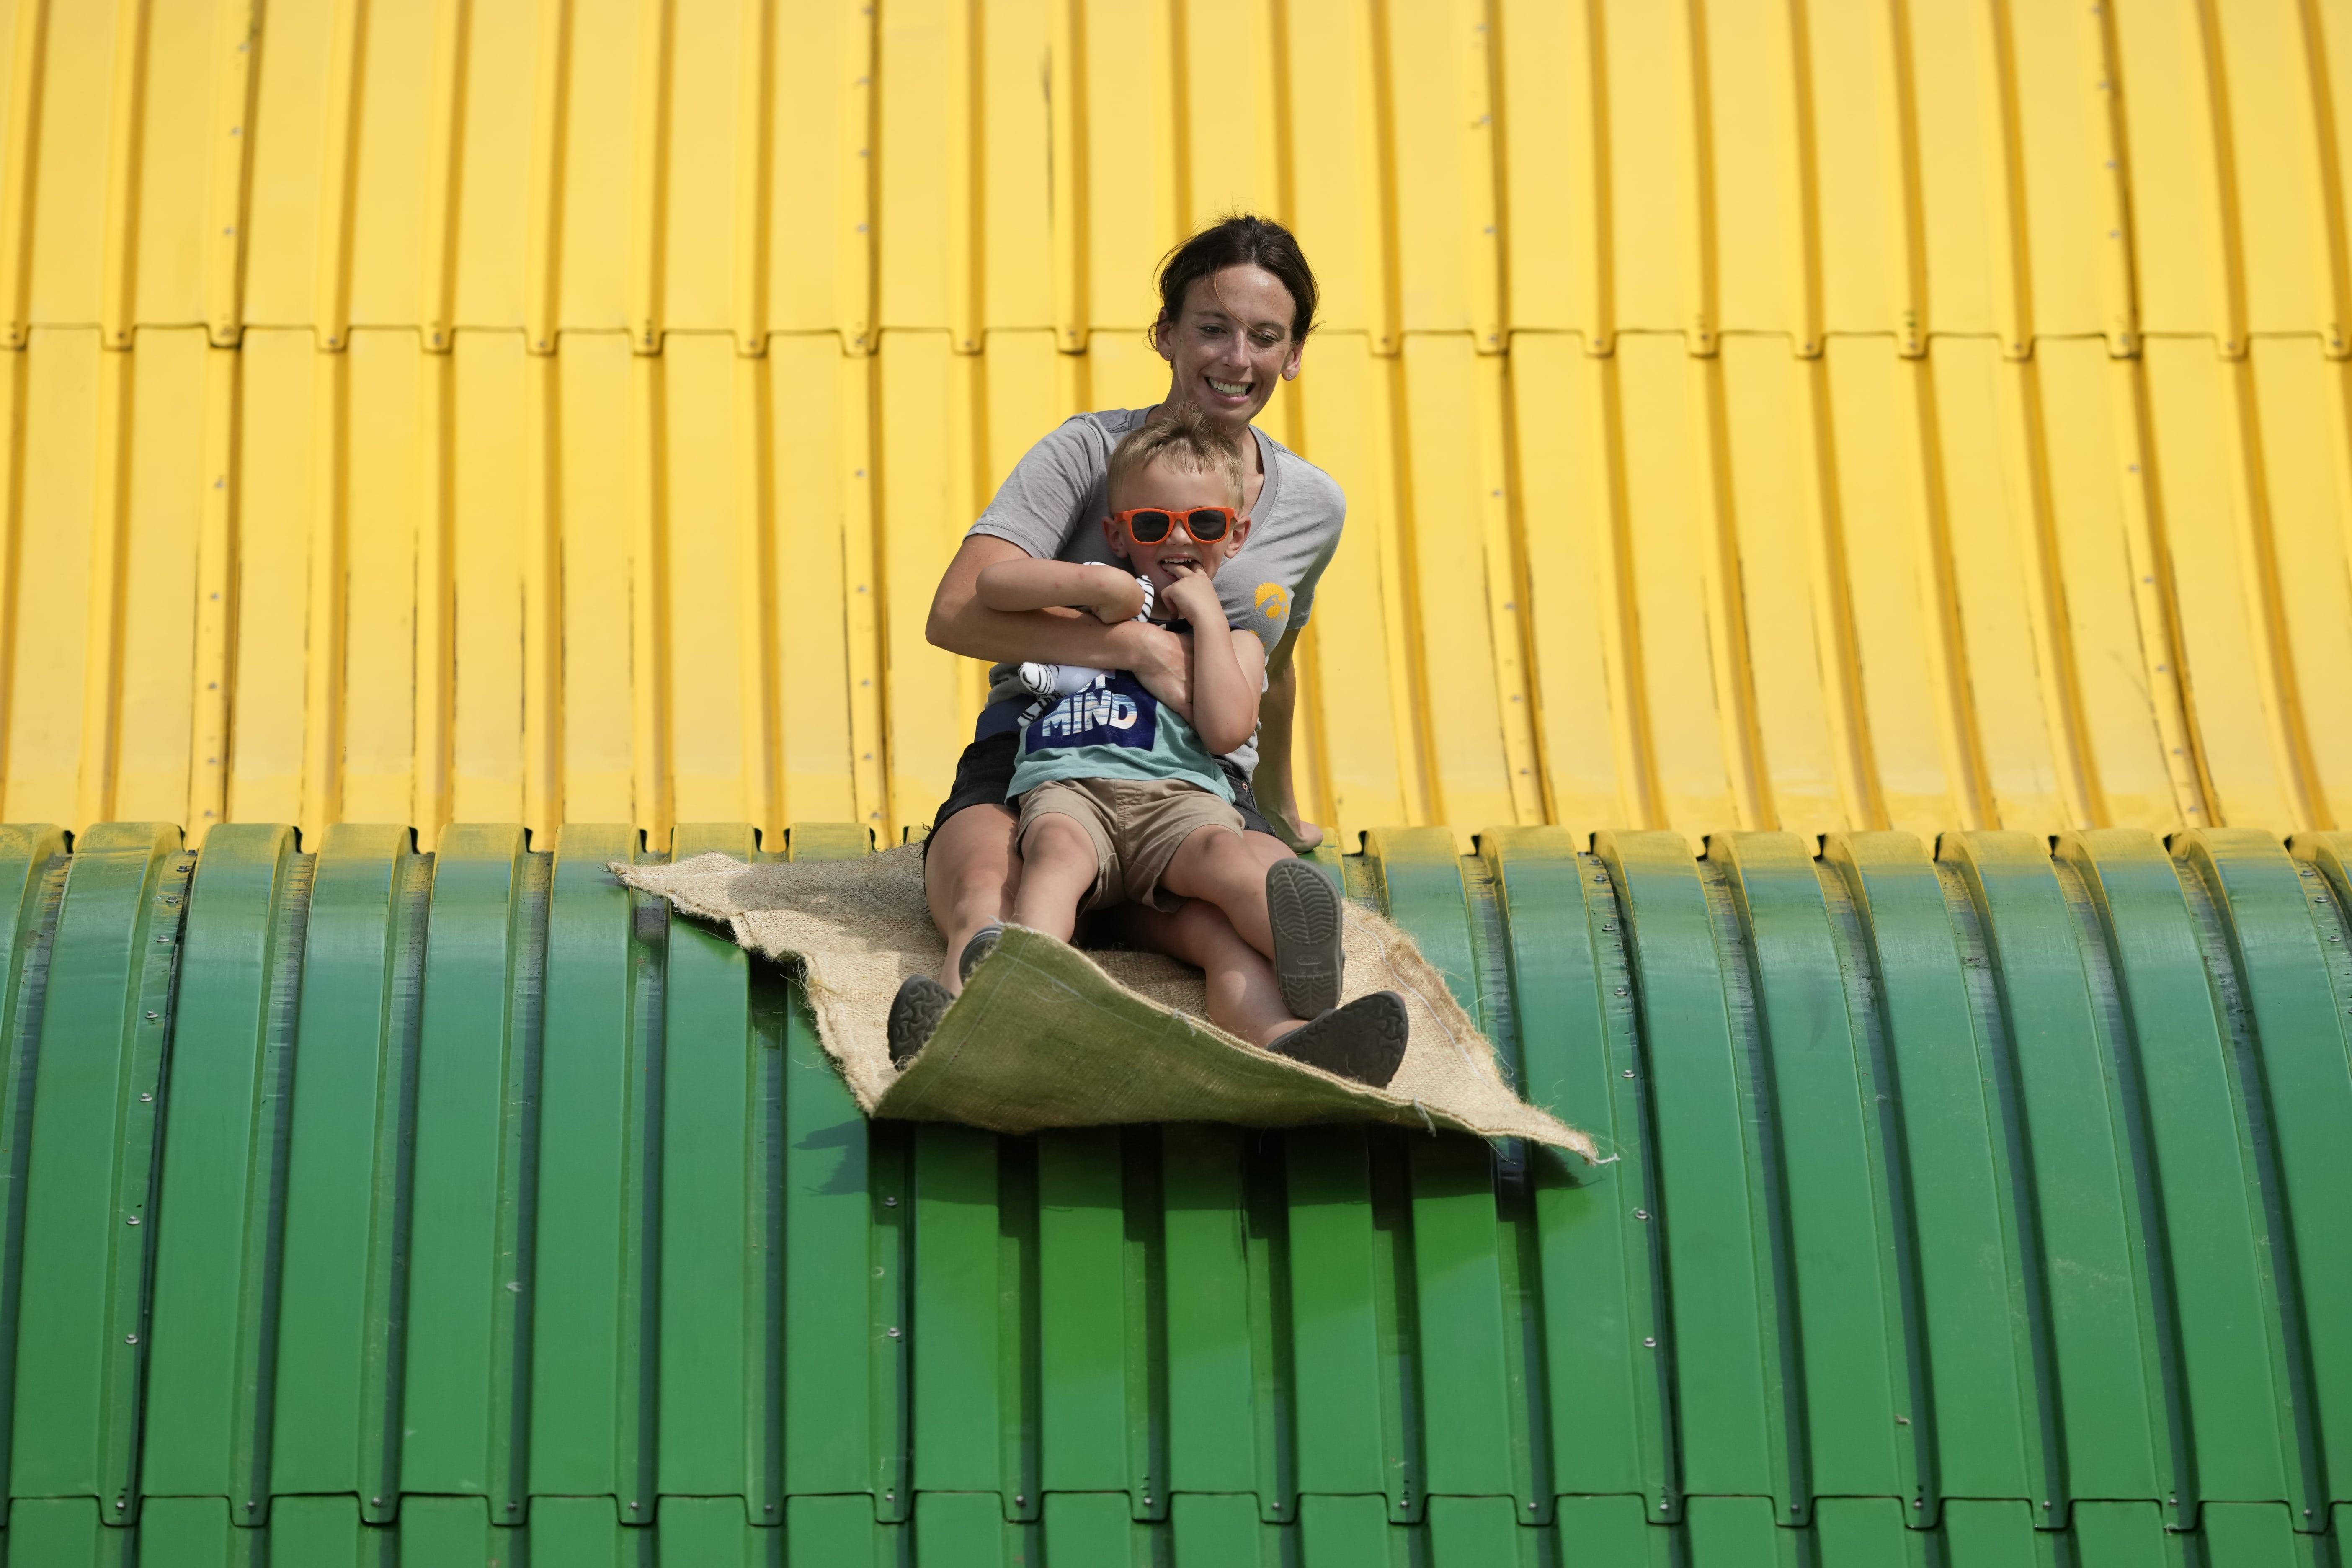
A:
{"x":1236,"y":303}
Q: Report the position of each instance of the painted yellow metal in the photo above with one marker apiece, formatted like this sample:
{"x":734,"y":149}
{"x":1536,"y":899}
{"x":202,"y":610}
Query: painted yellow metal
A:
{"x":1819,"y":416}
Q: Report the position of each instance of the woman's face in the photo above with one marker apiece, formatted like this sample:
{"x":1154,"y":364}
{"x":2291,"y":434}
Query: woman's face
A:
{"x":1230,"y":345}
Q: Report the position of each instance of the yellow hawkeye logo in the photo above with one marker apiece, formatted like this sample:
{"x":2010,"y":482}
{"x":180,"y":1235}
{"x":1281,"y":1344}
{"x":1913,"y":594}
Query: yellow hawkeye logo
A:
{"x":1274,"y":600}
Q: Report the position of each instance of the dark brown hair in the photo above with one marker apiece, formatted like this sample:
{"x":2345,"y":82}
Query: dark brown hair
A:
{"x":1242,"y":239}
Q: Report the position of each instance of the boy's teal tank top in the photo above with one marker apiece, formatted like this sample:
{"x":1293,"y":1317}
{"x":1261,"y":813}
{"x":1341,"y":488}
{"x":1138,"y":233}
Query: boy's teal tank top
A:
{"x":1112,"y":729}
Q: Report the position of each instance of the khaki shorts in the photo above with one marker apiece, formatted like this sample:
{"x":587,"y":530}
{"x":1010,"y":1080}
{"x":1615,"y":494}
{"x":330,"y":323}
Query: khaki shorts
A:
{"x":1137,"y":825}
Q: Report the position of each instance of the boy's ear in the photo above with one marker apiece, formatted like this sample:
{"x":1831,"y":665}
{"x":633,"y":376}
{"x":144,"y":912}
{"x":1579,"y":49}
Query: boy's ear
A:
{"x":1118,"y":539}
{"x":1234,"y":541}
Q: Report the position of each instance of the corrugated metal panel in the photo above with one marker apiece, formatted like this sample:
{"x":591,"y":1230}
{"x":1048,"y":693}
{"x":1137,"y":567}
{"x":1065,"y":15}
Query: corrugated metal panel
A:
{"x":1962,"y":1210}
{"x":1824,"y":415}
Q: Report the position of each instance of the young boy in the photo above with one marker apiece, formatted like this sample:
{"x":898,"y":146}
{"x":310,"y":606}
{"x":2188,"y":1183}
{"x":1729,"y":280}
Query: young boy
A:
{"x":1120,"y":794}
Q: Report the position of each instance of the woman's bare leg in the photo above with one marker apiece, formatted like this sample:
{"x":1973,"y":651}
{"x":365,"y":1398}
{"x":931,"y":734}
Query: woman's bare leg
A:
{"x":970,"y":877}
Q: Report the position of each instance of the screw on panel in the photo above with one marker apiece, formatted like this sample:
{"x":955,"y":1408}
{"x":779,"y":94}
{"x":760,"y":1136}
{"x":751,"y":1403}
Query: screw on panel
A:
{"x":894,"y":1334}
{"x":1629,"y":1072}
{"x":890,"y":1202}
{"x":1641,"y":1214}
{"x":151,"y":1014}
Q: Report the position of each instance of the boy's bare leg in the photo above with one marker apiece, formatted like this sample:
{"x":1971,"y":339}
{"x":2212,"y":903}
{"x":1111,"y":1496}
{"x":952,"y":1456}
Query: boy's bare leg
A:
{"x":970,"y":877}
{"x":1244,"y":997}
{"x":1218,"y":865}
{"x":1058,"y":869}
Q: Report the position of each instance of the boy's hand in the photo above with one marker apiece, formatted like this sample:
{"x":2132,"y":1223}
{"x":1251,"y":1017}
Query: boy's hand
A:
{"x":1117,"y":596}
{"x":1194,"y":595}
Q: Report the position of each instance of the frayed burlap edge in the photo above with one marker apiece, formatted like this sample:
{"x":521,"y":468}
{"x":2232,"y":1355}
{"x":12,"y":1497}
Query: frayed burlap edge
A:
{"x":1046,"y":1035}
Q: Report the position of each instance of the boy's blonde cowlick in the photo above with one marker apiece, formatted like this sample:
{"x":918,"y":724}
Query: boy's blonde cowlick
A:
{"x":1191,"y":441}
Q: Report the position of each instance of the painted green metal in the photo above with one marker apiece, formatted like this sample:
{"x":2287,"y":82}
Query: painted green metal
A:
{"x":1982,"y":1207}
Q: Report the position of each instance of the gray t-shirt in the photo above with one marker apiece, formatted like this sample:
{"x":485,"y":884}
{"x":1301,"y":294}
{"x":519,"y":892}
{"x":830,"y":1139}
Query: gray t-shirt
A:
{"x":1052,"y":503}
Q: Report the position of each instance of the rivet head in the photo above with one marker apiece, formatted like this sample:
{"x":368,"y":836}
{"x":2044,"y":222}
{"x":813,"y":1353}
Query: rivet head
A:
{"x":131,"y":1219}
{"x":1629,"y":1072}
{"x":1641,"y":1214}
{"x":145,"y":1098}
{"x":130,"y":1339}
{"x":153,"y":1014}
{"x":890,"y":1202}
{"x":894,"y":1334}
{"x":1650,"y":1340}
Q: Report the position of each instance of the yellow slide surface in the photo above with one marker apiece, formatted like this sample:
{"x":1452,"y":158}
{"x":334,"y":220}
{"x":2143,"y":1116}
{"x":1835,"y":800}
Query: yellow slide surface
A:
{"x":1798,"y":413}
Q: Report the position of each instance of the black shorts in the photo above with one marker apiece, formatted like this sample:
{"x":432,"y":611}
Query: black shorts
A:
{"x":984,"y":772}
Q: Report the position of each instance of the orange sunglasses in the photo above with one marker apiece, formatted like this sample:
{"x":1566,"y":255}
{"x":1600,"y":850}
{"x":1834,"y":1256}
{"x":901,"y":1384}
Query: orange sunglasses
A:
{"x":1153,"y":524}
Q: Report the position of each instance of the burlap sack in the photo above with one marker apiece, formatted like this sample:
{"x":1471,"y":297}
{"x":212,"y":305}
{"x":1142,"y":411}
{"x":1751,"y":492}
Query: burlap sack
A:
{"x":1046,"y":1036}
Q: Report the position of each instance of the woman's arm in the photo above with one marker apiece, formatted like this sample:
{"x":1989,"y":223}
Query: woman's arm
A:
{"x":961,"y":623}
{"x":1107,"y":594}
{"x":1271,"y":783}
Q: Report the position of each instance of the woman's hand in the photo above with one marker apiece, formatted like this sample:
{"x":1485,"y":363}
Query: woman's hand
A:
{"x":1302,"y":835}
{"x":1159,"y":659}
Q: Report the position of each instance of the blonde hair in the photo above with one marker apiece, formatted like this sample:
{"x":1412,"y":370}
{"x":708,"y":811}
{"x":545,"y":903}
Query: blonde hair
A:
{"x":1191,"y":441}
